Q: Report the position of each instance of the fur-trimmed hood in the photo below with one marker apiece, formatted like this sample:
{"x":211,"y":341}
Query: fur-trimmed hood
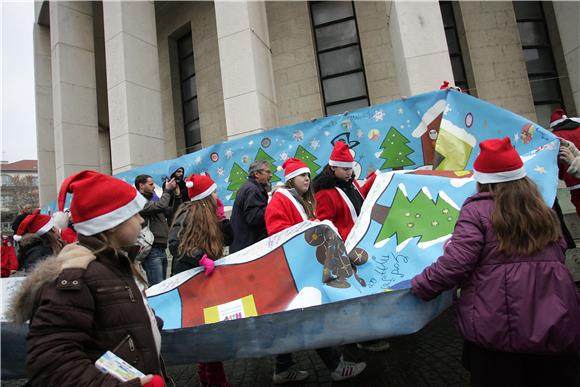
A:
{"x":324,"y":181}
{"x":72,"y":256}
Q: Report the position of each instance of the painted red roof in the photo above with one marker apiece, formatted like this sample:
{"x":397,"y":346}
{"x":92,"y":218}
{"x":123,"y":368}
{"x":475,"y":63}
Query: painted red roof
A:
{"x":20,"y":166}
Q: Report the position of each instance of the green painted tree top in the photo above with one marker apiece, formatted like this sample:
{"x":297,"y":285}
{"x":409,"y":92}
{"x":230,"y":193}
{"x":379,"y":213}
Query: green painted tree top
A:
{"x":419,"y":217}
{"x":308,"y":158}
{"x":261,"y":155}
{"x":395,"y":150}
{"x":237,"y":178}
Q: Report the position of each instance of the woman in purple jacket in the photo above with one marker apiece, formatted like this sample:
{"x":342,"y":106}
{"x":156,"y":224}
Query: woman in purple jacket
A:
{"x":518,"y":310}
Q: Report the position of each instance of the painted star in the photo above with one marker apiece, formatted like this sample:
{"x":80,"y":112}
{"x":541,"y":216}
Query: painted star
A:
{"x":251,"y":142}
{"x":326,"y":133}
{"x":541,"y":170}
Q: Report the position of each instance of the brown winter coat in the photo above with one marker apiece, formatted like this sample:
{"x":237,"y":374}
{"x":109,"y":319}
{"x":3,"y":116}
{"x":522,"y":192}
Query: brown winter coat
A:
{"x":81,"y":305}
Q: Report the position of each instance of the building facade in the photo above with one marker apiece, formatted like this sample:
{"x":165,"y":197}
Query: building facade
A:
{"x":124,"y":84}
{"x":19,"y":190}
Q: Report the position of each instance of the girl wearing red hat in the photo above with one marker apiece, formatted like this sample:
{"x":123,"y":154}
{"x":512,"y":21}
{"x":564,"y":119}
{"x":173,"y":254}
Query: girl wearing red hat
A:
{"x":197,"y":238}
{"x":519,"y":310}
{"x":290,"y":205}
{"x":38,"y":239}
{"x":89,"y":298}
{"x":339,"y":198}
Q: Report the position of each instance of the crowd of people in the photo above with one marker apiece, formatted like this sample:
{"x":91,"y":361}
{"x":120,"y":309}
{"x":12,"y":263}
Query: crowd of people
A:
{"x":518,"y":308}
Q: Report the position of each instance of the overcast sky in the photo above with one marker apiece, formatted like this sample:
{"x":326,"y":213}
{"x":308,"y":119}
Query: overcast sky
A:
{"x":18,"y":111}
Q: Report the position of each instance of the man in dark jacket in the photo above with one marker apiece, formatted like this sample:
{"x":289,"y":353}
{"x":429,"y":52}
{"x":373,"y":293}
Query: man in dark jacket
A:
{"x":248,"y":221}
{"x":176,"y":172}
{"x":154,"y":215}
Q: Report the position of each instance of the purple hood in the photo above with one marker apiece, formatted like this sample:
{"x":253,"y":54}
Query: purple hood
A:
{"x":514,"y":304}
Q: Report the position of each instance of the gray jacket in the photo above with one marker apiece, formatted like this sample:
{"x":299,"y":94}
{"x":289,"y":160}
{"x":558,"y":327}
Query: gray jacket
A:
{"x":154,"y":213}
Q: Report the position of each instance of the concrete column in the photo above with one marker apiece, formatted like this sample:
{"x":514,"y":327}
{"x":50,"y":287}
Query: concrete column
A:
{"x":246,"y":66}
{"x":567,"y":16}
{"x":496,"y":55}
{"x":135,"y":118}
{"x":419,"y":46}
{"x":44,"y":128}
{"x":76,"y":135}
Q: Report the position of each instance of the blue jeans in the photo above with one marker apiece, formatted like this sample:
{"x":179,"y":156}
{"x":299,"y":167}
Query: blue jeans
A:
{"x":156,"y":265}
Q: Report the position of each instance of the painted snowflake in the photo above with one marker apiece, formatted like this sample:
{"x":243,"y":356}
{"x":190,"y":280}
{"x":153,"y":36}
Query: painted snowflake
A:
{"x":283,"y":156}
{"x":298,"y":135}
{"x":378,"y":116}
{"x":516,"y":138}
{"x":359,"y":133}
{"x":245,"y":159}
{"x":197,"y":160}
{"x":326,"y":133}
{"x":220,"y":171}
{"x":448,"y":109}
{"x":251,"y":143}
{"x":541,"y":170}
{"x":401,"y":110}
{"x":229,"y":153}
{"x":315,"y":144}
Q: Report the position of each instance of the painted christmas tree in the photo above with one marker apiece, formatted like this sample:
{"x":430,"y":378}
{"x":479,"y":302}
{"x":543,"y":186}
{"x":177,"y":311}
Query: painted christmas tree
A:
{"x":261,"y":155}
{"x":236,"y":178}
{"x":308,"y":158}
{"x":395,"y":151}
{"x":419,"y":217}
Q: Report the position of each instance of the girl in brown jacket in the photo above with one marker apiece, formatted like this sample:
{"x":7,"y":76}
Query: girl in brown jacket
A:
{"x":89,"y":299}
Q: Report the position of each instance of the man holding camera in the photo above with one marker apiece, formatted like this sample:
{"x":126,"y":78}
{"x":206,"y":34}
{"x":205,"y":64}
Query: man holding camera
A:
{"x":154,"y":214}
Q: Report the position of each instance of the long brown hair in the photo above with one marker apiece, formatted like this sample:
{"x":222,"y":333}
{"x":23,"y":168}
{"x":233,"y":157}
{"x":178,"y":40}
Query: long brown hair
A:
{"x":307,"y":199}
{"x":523,"y":223}
{"x":200,"y":229}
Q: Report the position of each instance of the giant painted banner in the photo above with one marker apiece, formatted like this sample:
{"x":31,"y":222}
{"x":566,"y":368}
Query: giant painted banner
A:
{"x":424,"y":147}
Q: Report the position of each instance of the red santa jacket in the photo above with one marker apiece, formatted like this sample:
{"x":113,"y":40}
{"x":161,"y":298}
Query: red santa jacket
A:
{"x":283,"y":211}
{"x":9,"y":260}
{"x":333,"y":204}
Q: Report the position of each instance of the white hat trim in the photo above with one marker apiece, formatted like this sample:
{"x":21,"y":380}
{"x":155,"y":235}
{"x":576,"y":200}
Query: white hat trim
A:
{"x":556,"y":122}
{"x":205,"y":193}
{"x":297,"y":172}
{"x":342,"y":164}
{"x":46,"y":228}
{"x":111,"y":219}
{"x":499,"y":177}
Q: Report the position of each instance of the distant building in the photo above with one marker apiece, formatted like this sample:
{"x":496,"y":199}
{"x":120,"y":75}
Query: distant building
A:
{"x":19,"y":189}
{"x":124,"y":84}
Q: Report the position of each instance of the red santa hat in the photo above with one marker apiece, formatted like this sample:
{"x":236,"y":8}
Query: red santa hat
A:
{"x":200,"y":186}
{"x":498,"y":162}
{"x":100,"y":202}
{"x":557,"y":117}
{"x":35,"y":223}
{"x":293,"y":167}
{"x":340,"y":156}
